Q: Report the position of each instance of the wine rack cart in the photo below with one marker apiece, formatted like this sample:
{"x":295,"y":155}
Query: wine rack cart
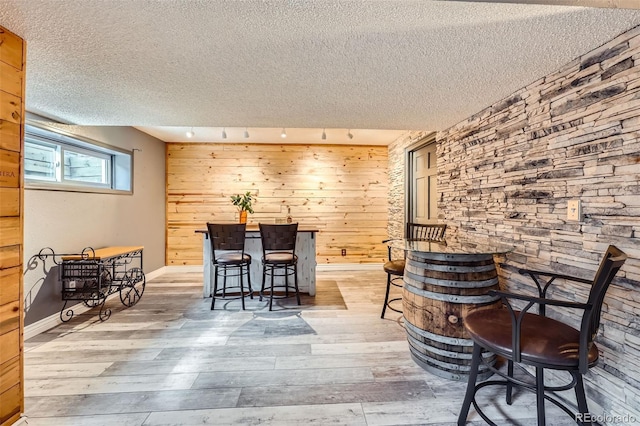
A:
{"x":93,"y":275}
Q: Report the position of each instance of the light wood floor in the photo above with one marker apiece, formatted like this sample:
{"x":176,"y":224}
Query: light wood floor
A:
{"x":170,"y":360}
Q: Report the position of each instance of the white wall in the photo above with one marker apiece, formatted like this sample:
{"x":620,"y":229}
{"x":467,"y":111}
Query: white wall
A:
{"x":69,"y":221}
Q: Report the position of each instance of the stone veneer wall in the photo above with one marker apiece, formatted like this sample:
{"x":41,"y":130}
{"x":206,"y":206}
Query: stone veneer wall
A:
{"x":509,"y":171}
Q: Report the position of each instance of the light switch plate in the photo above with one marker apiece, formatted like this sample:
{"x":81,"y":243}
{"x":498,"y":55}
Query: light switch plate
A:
{"x":574,"y":210}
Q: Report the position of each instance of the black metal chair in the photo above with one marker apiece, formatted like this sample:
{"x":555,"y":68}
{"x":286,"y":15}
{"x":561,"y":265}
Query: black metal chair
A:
{"x":229,"y":260}
{"x":540,"y":342}
{"x":395,"y":267}
{"x":279,"y":259}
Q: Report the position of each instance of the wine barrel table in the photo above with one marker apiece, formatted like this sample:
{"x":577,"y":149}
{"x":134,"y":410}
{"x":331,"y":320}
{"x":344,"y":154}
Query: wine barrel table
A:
{"x":443,"y":281}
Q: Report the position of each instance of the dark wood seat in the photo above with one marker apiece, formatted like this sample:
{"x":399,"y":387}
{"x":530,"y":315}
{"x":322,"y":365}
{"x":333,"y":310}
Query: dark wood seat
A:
{"x":535,"y":340}
{"x":229,"y":260}
{"x":395,"y":267}
{"x":279,"y":259}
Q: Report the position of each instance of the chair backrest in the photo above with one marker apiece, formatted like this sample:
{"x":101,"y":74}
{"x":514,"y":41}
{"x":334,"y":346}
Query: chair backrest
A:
{"x":278,"y":237}
{"x":611,"y":263}
{"x":428,"y":232}
{"x":226,"y":237}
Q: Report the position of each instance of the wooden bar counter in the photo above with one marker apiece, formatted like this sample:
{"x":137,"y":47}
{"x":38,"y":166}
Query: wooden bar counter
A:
{"x":305,"y":250}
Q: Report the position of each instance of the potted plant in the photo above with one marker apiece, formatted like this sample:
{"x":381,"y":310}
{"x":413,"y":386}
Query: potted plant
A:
{"x":243,"y":203}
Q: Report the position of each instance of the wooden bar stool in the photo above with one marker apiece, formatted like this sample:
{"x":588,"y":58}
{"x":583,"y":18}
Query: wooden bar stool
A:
{"x":229,"y":260}
{"x":279,"y":259}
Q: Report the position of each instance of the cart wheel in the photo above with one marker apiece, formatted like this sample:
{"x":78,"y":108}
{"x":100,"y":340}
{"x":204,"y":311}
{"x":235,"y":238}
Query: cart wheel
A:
{"x":95,"y":298}
{"x":132,"y":286}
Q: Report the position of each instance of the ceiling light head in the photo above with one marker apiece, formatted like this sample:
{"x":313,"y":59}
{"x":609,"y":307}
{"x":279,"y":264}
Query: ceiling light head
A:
{"x":191,"y":133}
{"x":283,"y":134}
{"x":224,"y":133}
{"x":324,"y":134}
{"x":246,"y":133}
{"x":349,"y":134}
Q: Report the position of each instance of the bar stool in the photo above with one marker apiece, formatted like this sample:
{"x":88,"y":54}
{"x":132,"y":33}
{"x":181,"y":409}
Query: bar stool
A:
{"x":279,"y":259}
{"x":530,"y":339}
{"x":229,"y":260}
{"x":395,"y":267}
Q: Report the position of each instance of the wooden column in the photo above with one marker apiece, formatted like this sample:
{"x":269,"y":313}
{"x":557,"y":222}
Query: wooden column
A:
{"x":12,"y":77}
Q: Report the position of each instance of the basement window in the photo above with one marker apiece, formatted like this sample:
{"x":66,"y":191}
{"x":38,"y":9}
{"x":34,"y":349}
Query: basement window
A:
{"x":58,"y":161}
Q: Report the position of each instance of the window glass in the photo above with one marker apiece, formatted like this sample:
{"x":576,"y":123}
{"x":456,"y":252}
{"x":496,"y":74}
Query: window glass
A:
{"x":55,"y":160}
{"x":40,"y":161}
{"x":85,"y":167}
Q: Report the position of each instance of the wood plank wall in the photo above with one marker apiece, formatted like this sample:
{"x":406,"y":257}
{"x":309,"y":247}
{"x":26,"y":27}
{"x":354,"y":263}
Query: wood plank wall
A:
{"x":12,"y":73}
{"x":341,"y":190}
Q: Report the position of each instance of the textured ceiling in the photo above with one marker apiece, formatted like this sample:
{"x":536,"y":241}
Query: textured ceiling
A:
{"x":417,"y":65}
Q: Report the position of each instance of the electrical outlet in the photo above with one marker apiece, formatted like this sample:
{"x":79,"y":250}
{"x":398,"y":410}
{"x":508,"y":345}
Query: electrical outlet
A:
{"x":344,"y":252}
{"x":574,"y":210}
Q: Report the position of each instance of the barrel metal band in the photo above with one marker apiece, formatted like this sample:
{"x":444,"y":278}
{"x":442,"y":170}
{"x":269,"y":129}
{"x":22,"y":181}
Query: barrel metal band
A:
{"x":438,"y":351}
{"x":490,"y":358}
{"x":438,"y":337}
{"x":454,"y":298}
{"x":419,"y":256}
{"x":440,"y":372}
{"x":448,"y":354}
{"x":417,"y":280}
{"x":452,"y":268}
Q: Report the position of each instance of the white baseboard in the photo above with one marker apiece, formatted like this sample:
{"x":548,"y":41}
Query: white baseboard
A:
{"x":22,"y":421}
{"x":53,"y":320}
{"x":154,"y":274}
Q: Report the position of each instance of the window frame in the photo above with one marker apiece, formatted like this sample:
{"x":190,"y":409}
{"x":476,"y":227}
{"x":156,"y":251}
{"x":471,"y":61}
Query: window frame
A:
{"x":51,"y":136}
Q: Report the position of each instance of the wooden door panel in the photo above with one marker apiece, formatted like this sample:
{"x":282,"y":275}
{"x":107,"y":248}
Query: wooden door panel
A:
{"x":9,"y":136}
{"x":423,"y":185}
{"x":10,"y":256}
{"x":10,"y":288}
{"x":12,"y":50}
{"x":12,"y":84}
{"x":10,"y":205}
{"x":9,"y":374}
{"x":9,"y":169}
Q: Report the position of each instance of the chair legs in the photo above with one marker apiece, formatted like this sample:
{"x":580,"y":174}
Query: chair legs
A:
{"x":271,"y":270}
{"x":215,"y":286}
{"x":471,"y":385}
{"x":295,"y":282}
{"x":237,"y":270}
{"x":271,"y":292}
{"x":540,"y":396}
{"x":387,"y":301}
{"x":581,"y":397}
{"x":386,"y":296}
{"x":509,"y":384}
{"x":540,"y":391}
{"x":241,"y":286}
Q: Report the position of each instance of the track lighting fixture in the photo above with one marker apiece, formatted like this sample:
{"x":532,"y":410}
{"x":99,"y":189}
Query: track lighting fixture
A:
{"x":191,"y":133}
{"x":246,"y":133}
{"x":349,"y":134}
{"x":224,"y":133}
{"x":283,"y":134}
{"x":324,"y":134}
